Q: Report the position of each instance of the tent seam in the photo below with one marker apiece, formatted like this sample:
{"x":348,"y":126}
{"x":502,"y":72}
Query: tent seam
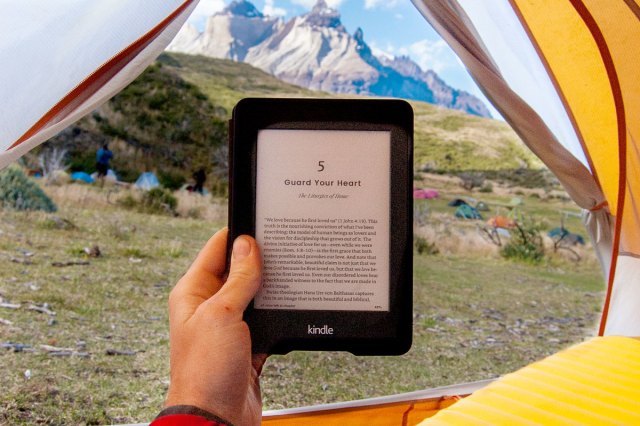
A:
{"x":616,"y":90}
{"x":405,"y":415}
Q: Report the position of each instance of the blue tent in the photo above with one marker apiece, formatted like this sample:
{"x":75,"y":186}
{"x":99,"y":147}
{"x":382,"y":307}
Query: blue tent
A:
{"x":82,"y":176}
{"x":465,"y":211}
{"x":147,"y":181}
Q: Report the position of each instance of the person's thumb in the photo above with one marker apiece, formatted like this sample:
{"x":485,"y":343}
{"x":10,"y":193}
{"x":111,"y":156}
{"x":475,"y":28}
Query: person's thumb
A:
{"x":245,"y":275}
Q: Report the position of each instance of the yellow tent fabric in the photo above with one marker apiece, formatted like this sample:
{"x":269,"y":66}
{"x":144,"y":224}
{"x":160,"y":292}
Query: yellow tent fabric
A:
{"x":593,"y":383}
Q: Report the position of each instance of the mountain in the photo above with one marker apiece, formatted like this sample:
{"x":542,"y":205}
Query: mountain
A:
{"x":315,"y":51}
{"x":229,"y":34}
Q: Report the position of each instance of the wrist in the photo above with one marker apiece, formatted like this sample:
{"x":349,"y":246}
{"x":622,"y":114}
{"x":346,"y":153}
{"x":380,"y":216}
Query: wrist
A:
{"x":186,"y":411}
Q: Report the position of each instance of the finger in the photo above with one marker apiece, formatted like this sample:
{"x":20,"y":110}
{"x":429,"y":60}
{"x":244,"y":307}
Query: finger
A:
{"x":204,"y":277}
{"x":201,"y":281}
{"x":245,"y":275}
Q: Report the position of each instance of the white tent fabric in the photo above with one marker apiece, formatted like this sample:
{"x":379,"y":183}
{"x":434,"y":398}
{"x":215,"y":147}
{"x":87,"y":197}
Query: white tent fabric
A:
{"x":68,"y":57}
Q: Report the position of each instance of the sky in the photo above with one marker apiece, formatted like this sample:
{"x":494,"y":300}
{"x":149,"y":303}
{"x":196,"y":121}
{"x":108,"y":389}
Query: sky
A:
{"x":392,"y":27}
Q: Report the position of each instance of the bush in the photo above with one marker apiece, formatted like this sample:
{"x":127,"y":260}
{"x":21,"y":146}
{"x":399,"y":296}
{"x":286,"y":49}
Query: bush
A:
{"x":18,"y":192}
{"x":154,"y":201}
{"x":219,"y":188}
{"x":158,"y":200}
{"x":526,"y":243}
{"x":471,"y":180}
{"x":171,"y":180}
{"x":423,"y":246}
{"x":487,"y":187}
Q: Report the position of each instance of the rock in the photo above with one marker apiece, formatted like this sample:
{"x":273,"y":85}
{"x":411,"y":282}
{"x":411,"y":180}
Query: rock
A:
{"x":93,"y":251}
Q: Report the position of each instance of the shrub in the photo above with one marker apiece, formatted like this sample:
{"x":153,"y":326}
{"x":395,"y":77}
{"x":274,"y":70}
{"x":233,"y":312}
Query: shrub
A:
{"x":424,"y":246}
{"x":471,"y":180}
{"x":487,"y":187}
{"x":154,"y":201}
{"x":526,"y":243}
{"x":158,"y":200}
{"x":171,"y":180}
{"x":17,"y":191}
{"x":219,"y":188}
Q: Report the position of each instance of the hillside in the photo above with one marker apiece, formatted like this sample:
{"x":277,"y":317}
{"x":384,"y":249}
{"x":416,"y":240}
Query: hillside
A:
{"x":172,"y":119}
{"x":159,"y":122}
{"x":446,"y":140}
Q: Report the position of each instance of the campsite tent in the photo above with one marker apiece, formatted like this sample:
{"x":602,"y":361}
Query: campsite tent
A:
{"x":426,"y":194}
{"x":82,"y":177}
{"x":147,"y":181}
{"x":563,"y":73}
{"x":465,"y":211}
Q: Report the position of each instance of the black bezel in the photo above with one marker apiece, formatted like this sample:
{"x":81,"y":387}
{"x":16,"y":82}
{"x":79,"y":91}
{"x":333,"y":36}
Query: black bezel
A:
{"x":359,"y":332}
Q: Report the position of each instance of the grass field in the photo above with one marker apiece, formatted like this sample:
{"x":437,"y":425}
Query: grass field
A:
{"x":476,"y":315}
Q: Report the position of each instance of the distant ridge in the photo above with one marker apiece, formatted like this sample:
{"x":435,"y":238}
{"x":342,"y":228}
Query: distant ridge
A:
{"x":315,"y":51}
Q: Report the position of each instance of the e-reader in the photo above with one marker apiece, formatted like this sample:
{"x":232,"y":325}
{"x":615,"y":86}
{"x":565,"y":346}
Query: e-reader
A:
{"x":325,"y":187}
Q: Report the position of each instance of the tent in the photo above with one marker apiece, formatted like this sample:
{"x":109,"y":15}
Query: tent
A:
{"x":456,"y":202}
{"x":566,"y":236}
{"x":465,"y":211}
{"x":501,"y":222}
{"x":563,"y":74}
{"x":82,"y":177}
{"x":426,"y":194}
{"x":147,"y":181}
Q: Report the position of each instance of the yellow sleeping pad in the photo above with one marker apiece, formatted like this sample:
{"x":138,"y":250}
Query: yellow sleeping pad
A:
{"x":593,"y":383}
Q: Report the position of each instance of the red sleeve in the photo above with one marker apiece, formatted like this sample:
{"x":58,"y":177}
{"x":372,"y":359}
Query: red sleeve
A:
{"x":187,"y":415}
{"x":184,"y":420}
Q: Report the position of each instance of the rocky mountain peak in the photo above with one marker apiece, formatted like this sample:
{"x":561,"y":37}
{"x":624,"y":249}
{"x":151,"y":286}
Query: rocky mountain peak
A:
{"x":316,"y":51}
{"x":242,"y":8}
{"x":358,"y":36}
{"x":323,"y":16}
{"x":404,"y":65}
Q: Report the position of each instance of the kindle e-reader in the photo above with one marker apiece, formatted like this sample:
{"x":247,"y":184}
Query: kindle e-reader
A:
{"x":325,"y":186}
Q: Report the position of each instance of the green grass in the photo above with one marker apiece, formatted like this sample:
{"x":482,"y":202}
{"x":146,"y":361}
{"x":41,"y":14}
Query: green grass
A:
{"x":474,"y":318}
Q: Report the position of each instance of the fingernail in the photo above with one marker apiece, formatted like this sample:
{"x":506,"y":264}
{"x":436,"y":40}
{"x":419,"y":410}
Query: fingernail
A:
{"x":241,"y":248}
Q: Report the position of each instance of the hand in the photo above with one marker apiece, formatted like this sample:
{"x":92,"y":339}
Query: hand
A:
{"x":211,"y":363}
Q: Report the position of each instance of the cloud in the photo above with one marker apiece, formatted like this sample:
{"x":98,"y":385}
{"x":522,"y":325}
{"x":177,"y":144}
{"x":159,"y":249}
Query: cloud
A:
{"x":386,"y":51}
{"x":310,"y":3}
{"x":435,"y":55}
{"x":387,"y":4}
{"x":271,"y":10}
{"x":206,"y":8}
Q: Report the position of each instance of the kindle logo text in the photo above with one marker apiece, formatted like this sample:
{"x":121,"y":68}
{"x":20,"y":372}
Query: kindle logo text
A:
{"x":312,"y":329}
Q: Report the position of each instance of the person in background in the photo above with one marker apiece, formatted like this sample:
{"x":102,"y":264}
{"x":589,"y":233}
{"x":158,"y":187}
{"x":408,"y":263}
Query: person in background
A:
{"x":103,"y":157}
{"x":199,"y":176}
{"x":214,"y":376}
